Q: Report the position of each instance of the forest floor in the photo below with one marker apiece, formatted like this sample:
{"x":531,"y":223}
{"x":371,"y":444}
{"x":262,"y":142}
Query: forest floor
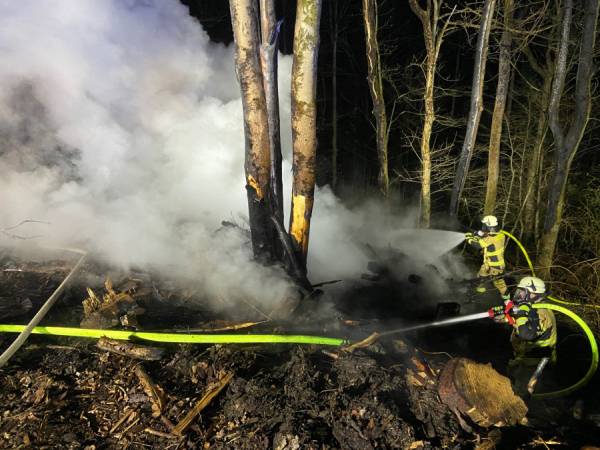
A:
{"x":68,"y":393}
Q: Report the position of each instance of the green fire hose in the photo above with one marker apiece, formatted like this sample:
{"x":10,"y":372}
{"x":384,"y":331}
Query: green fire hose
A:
{"x":179,"y":338}
{"x":578,"y":320}
{"x":299,"y":339}
{"x":530,"y":264}
{"x":593,"y":347}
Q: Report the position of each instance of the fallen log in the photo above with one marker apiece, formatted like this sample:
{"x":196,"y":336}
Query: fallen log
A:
{"x":479,"y":392}
{"x":130,"y":349}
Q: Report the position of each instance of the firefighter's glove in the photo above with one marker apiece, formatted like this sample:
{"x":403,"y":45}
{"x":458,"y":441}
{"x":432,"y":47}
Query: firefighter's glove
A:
{"x":503,"y":313}
{"x":497,"y":314}
{"x":469,"y":236}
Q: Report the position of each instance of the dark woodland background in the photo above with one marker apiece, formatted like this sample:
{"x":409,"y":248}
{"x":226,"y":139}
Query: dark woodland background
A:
{"x":535,"y":37}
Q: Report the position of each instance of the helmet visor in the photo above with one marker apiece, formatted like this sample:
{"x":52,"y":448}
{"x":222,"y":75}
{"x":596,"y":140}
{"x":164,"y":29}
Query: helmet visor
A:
{"x":521,"y":295}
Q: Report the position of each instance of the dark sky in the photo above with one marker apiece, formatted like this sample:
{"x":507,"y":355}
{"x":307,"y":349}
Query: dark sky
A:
{"x":401,"y":39}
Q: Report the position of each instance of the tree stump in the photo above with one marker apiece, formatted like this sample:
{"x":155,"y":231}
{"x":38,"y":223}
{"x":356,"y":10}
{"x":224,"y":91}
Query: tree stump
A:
{"x":479,"y":392}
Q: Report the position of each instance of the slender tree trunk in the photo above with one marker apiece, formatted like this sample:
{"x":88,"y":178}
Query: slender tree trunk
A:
{"x":333,"y":26}
{"x":426,"y":150}
{"x":567,"y":141}
{"x":457,"y":67}
{"x":533,"y":163}
{"x":504,"y":71}
{"x":433,"y":40}
{"x":268,"y":59}
{"x":304,"y":117}
{"x":476,"y":106}
{"x":244,"y":18}
{"x":376,"y":89}
{"x":533,"y":195}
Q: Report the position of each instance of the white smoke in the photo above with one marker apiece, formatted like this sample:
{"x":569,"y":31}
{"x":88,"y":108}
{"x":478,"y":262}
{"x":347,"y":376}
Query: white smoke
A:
{"x":121,"y":125}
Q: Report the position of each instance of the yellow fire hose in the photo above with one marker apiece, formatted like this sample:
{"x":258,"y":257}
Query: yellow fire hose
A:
{"x":578,"y":320}
{"x":530,"y":264}
{"x":593,"y":347}
{"x":178,"y":338}
{"x":193,"y":338}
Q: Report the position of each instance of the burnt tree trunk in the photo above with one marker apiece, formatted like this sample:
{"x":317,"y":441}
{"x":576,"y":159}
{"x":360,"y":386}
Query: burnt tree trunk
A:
{"x":475,"y":108}
{"x":268,"y":59}
{"x":304,"y":117}
{"x":504,"y":70}
{"x":376,"y":89}
{"x":244,"y":19}
{"x":567,"y":141}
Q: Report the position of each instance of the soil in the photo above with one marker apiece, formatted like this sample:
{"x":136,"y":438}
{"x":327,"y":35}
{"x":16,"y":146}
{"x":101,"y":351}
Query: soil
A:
{"x":65,"y":393}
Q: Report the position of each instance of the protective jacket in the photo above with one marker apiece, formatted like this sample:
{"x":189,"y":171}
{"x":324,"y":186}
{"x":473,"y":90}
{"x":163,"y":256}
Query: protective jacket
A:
{"x":493,"y":249}
{"x":534,"y":331}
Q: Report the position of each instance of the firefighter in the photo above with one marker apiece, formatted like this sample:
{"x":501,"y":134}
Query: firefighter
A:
{"x":534,"y":330}
{"x":492,"y":243}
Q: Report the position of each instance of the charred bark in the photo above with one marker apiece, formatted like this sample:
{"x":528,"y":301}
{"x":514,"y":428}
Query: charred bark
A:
{"x":504,"y":71}
{"x":476,"y":106}
{"x":567,"y":141}
{"x":268,"y":58}
{"x":244,"y":18}
{"x":304,"y":117}
{"x":376,"y":89}
{"x":293,"y":265}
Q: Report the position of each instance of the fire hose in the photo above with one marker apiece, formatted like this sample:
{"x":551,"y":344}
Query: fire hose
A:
{"x":26,"y":330}
{"x":530,"y":264}
{"x":593,"y":348}
{"x":578,"y":320}
{"x":179,"y":338}
{"x":30,"y":327}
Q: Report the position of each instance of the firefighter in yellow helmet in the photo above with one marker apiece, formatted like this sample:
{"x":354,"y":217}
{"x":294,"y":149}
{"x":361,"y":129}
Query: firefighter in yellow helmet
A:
{"x":491,"y":241}
{"x":534,"y":332}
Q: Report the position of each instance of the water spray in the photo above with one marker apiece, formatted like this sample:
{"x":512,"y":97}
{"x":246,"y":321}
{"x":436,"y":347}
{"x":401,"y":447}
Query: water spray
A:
{"x":438,"y":323}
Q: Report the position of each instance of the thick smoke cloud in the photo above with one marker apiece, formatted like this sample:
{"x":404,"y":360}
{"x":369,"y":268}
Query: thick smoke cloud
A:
{"x":121,"y":126}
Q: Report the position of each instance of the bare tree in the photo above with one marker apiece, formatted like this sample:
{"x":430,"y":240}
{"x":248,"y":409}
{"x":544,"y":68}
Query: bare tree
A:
{"x":504,"y":71}
{"x":334,"y":35}
{"x":433,"y":37}
{"x":268,"y":60}
{"x":376,"y":89}
{"x":567,"y":140}
{"x":244,"y":19}
{"x":532,"y":198}
{"x":304,"y":116}
{"x":476,"y":105}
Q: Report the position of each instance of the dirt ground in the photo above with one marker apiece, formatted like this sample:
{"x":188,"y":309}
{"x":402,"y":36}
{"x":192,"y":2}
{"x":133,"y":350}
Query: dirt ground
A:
{"x":67,"y":393}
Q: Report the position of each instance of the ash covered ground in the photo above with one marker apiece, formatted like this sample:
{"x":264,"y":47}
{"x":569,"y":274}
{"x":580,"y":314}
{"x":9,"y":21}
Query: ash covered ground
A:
{"x":68,"y":393}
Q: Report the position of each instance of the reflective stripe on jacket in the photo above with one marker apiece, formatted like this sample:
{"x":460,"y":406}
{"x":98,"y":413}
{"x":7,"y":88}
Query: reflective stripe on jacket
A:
{"x":535,"y":326}
{"x":493,"y":249}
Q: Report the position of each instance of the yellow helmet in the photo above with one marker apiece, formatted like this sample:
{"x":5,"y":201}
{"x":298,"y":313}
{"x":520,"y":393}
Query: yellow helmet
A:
{"x":529,"y":289}
{"x":534,"y":285}
{"x":489,"y":223}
